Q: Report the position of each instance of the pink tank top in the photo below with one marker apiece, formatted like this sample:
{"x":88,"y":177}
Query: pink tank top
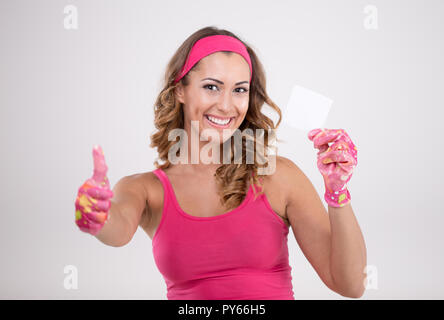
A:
{"x":239,"y":255}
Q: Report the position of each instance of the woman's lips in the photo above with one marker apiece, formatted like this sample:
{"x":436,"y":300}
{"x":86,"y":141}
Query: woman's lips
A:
{"x":216,"y":125}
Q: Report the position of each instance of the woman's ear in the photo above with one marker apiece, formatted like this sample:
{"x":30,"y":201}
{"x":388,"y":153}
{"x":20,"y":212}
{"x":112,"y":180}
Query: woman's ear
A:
{"x":179,"y":93}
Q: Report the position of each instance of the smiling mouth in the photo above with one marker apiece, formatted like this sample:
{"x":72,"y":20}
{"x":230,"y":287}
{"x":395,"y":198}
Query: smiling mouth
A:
{"x":218,"y":122}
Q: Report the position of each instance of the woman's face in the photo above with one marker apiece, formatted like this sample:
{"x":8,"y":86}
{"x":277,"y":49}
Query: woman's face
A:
{"x":218,"y":88}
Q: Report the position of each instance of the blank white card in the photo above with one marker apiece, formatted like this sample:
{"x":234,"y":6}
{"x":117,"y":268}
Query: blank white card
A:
{"x":306,"y":109}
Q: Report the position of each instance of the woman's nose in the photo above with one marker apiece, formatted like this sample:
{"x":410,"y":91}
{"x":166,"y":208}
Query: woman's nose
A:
{"x":225,"y":102}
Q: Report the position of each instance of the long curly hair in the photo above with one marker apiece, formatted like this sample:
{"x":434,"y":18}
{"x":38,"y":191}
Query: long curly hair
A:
{"x":232,"y":179}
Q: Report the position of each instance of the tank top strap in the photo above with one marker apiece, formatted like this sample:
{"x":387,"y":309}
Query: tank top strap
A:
{"x":167,"y":188}
{"x":261,"y":179}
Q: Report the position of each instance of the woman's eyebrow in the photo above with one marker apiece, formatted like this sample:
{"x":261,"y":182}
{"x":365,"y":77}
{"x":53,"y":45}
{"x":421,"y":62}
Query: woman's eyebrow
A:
{"x":238,"y":83}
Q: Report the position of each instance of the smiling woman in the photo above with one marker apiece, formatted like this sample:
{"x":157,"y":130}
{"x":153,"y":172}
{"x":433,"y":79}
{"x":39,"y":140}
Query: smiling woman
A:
{"x":216,"y":81}
{"x":221,"y":89}
{"x":219,"y":231}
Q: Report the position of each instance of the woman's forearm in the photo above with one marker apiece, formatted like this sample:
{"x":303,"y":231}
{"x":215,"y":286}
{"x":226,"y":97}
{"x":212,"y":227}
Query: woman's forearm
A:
{"x":116,"y":231}
{"x":348,"y":256}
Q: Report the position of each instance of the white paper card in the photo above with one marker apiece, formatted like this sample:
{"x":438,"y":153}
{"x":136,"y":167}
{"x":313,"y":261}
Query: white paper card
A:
{"x":306,"y":109}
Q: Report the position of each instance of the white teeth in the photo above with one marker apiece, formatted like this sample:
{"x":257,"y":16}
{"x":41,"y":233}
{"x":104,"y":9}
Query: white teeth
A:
{"x":217,"y":121}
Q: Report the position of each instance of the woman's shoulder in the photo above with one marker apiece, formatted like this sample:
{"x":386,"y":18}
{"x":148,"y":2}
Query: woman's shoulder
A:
{"x":280,"y":167}
{"x":151,"y":184}
{"x":284,"y":175}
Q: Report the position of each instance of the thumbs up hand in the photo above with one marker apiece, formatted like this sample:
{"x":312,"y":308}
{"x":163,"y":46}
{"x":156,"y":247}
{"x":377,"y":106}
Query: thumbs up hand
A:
{"x":93,"y":197}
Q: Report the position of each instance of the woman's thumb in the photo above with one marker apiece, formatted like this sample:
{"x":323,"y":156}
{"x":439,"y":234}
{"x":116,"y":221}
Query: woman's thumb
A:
{"x":100,"y":168}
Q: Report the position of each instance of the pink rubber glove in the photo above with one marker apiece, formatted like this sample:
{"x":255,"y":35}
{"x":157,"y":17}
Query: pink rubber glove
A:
{"x":92,"y":202}
{"x":335,"y":162}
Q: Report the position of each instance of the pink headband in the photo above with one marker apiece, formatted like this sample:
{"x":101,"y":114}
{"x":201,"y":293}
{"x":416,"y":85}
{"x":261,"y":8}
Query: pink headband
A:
{"x":208,"y":45}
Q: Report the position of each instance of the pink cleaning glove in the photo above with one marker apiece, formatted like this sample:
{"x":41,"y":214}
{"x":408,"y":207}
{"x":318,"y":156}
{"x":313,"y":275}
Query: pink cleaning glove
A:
{"x":335,"y":162}
{"x":93,"y":198}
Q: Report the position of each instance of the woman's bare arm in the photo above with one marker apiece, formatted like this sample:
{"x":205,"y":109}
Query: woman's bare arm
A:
{"x":127,"y":206}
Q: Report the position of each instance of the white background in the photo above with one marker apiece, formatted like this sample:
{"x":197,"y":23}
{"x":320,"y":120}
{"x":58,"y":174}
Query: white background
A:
{"x":62,"y":91}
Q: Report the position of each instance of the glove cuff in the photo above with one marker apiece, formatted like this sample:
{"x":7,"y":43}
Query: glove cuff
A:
{"x":337,"y":199}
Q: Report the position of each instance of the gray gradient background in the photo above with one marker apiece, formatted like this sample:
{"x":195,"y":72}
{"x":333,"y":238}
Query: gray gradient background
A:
{"x":62,"y":91}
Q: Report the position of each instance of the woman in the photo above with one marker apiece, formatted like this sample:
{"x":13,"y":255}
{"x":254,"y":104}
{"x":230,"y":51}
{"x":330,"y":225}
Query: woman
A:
{"x":219,"y":229}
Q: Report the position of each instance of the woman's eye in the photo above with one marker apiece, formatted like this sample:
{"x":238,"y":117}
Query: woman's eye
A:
{"x":212,"y":85}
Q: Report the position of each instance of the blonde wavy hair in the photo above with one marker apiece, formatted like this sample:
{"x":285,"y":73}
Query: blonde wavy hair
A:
{"x":233,"y":178}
